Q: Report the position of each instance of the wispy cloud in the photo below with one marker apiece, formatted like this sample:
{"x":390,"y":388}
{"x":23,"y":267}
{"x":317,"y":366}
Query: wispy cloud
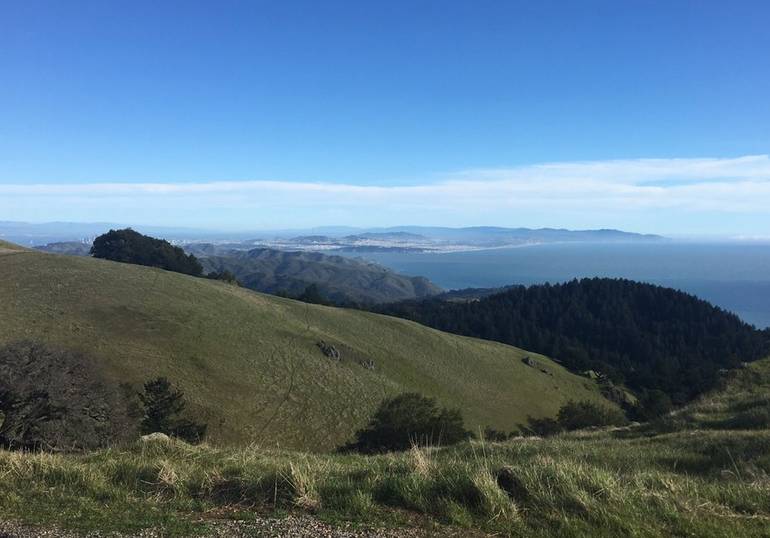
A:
{"x":605,"y":190}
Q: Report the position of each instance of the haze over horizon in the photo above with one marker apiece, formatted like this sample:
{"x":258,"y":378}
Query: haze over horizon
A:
{"x":650,"y":119}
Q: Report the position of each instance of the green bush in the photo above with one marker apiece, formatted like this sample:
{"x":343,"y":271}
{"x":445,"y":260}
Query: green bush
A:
{"x":496,"y":436}
{"x":407,"y":420}
{"x":576,"y":416}
{"x":579,"y":415}
{"x":312,"y":294}
{"x":225,"y":276}
{"x":652,"y":404}
{"x":544,"y":427}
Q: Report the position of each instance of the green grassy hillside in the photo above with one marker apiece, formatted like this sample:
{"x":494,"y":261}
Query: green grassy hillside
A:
{"x":6,"y":246}
{"x":249,"y":363}
{"x":614,"y":482}
{"x":742,"y":402}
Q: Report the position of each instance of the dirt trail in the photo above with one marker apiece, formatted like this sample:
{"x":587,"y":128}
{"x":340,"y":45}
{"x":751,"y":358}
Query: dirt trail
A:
{"x":288,"y":527}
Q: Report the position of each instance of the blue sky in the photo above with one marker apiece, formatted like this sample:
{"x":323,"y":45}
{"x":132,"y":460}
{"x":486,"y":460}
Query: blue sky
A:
{"x":294,"y":114}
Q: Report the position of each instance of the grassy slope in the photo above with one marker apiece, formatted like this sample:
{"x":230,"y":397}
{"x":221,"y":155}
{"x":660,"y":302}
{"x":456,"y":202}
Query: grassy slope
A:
{"x":6,"y":246}
{"x":249,"y":363}
{"x":742,"y":402}
{"x":706,"y":483}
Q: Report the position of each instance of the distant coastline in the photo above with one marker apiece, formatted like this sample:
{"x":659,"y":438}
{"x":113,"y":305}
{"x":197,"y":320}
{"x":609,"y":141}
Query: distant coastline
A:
{"x":735,"y":276}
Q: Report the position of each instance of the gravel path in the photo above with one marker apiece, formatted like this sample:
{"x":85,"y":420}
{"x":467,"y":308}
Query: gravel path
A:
{"x":288,"y":527}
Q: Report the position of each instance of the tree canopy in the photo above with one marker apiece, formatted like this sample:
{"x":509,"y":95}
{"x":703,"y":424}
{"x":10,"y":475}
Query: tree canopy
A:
{"x":128,"y":246}
{"x":55,"y":398}
{"x":163,"y":407}
{"x":648,"y":337}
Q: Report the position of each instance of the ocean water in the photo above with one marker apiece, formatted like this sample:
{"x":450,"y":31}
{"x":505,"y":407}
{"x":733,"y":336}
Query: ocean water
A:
{"x":734,"y":276}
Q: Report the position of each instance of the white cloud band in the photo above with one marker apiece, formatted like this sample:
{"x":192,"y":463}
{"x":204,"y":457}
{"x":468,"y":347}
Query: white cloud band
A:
{"x":714,"y":185}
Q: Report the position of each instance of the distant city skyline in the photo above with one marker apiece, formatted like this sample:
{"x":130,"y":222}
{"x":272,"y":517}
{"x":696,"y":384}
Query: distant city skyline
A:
{"x":647,"y":117}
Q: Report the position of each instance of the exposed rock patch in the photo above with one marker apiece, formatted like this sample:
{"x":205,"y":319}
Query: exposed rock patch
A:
{"x":534,"y":364}
{"x":329,"y":350}
{"x":156,"y":437}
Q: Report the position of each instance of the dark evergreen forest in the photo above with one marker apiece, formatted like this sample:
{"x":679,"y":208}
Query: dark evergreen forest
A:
{"x":646,"y":336}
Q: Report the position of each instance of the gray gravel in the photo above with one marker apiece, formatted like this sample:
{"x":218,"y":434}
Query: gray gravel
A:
{"x":288,"y":527}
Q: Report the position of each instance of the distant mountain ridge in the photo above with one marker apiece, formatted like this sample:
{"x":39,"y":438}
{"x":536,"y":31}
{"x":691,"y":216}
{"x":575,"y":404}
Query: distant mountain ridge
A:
{"x":340,"y":279}
{"x":482,"y":231}
{"x":437,"y":239}
{"x":70,"y":248}
{"x":32,"y":234}
{"x":399,"y":236}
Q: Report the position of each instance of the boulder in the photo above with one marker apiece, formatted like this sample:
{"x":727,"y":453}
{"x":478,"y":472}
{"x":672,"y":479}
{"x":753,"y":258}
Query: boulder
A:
{"x":329,"y":350}
{"x":156,"y":437}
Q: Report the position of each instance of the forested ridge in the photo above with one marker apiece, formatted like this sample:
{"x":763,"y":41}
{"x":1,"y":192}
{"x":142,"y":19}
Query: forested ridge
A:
{"x":129,"y":246}
{"x":340,"y":280}
{"x":646,"y":336}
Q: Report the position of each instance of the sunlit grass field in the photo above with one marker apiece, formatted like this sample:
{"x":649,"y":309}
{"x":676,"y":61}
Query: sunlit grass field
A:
{"x":705,"y":483}
{"x":634,"y":481}
{"x":251,"y":368}
{"x":249,"y":364}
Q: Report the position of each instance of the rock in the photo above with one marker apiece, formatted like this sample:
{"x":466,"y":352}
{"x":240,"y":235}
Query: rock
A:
{"x":534,"y":364}
{"x":156,"y":437}
{"x":329,"y":350}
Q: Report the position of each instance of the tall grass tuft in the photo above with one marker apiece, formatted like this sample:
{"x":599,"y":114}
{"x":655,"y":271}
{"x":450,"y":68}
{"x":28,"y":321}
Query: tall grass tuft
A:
{"x":604,"y":483}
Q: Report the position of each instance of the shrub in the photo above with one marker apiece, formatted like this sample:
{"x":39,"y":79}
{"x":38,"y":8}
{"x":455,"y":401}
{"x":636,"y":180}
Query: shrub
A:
{"x":128,"y":246}
{"x":652,"y":404}
{"x":407,"y":420}
{"x":24,"y":416}
{"x":225,"y":276}
{"x":544,"y":427}
{"x":496,"y":436}
{"x":312,"y":294}
{"x":578,"y":415}
{"x":163,"y":406}
{"x":55,"y":398}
